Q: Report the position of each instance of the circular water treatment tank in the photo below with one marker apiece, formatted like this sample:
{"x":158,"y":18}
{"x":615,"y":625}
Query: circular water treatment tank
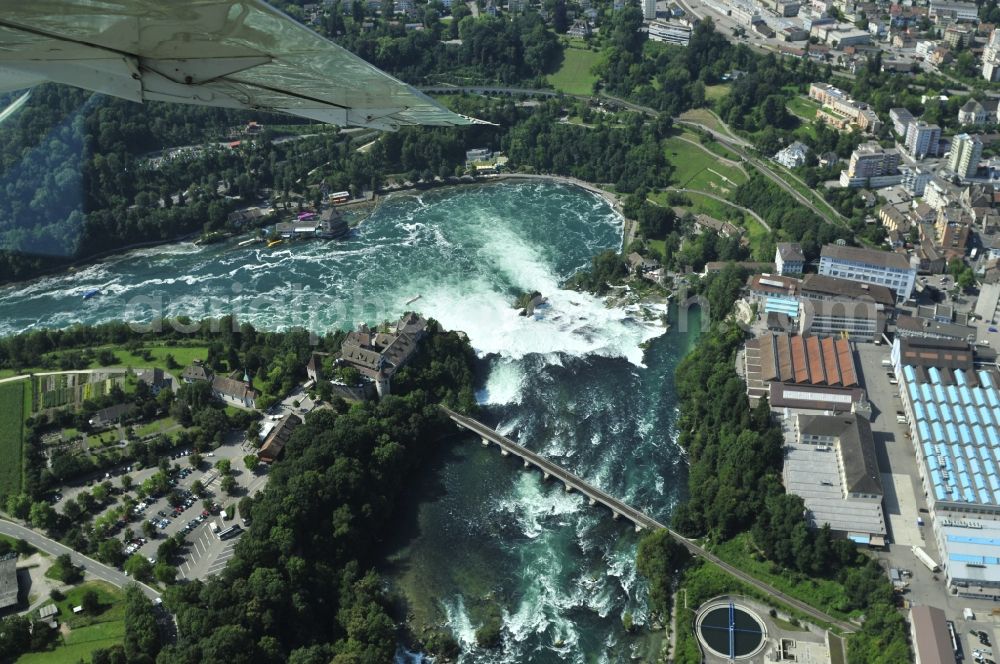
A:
{"x":730,"y":631}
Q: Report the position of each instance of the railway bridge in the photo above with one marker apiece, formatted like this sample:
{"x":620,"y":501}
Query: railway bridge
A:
{"x":639,"y":519}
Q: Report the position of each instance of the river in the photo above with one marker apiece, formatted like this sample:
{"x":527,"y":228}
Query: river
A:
{"x":591,"y":387}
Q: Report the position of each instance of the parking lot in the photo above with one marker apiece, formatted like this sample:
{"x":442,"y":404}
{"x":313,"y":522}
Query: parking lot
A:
{"x":203,"y":547}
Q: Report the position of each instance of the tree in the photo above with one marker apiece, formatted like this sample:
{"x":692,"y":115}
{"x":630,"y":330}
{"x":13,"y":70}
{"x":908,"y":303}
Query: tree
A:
{"x":110,"y":552}
{"x":197,"y":488}
{"x":91,"y":603}
{"x":64,"y":570}
{"x":19,"y":505}
{"x":228,"y":485}
{"x":224,"y":466}
{"x":138,"y":567}
{"x":42,"y":515}
{"x":126,"y":482}
{"x":195,"y":460}
{"x":165,"y":572}
{"x":142,"y":638}
{"x":660,"y":557}
{"x":251,"y":461}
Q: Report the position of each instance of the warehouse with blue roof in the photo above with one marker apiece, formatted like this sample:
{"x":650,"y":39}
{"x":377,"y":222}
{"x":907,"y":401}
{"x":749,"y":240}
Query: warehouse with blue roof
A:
{"x":953,"y":410}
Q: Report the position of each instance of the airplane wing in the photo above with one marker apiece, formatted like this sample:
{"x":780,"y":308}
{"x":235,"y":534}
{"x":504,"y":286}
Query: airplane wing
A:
{"x":241,"y":54}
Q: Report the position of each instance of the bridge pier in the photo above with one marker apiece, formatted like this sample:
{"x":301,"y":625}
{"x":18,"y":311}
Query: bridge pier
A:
{"x":526,"y":464}
{"x":592,"y":502}
{"x":615,"y":515}
{"x":545,"y":475}
{"x":567,"y":486}
{"x":504,"y":452}
{"x":638,"y":528}
{"x":486,"y":441}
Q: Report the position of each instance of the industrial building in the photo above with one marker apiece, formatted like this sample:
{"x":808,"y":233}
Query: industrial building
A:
{"x":799,"y":361}
{"x":830,"y":463}
{"x":953,"y":410}
{"x":930,"y":637}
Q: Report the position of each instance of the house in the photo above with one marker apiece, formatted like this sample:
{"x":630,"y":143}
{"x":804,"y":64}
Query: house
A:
{"x":108,"y":416}
{"x":275,"y":442}
{"x":8,"y":579}
{"x":640,"y":264}
{"x":789,"y":259}
{"x":197,"y":371}
{"x":155,"y":379}
{"x":978,"y":113}
{"x":234,"y":392}
{"x":793,"y":156}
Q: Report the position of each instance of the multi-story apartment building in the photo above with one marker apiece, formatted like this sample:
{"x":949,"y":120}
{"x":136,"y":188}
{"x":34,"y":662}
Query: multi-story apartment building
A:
{"x":870,"y":160}
{"x":966,"y":151}
{"x":922,"y":139}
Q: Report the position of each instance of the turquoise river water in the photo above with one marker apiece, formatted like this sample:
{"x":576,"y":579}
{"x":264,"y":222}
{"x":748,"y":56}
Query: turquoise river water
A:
{"x":589,"y":386}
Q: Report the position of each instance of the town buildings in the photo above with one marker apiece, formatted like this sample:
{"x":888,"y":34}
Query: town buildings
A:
{"x":991,"y":58}
{"x":649,"y":10}
{"x":880,"y":268}
{"x":8,"y":579}
{"x":978,"y":113}
{"x":278,"y":437}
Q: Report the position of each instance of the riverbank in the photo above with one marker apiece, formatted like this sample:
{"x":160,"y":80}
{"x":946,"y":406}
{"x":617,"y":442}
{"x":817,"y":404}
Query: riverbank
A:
{"x":628,"y":231}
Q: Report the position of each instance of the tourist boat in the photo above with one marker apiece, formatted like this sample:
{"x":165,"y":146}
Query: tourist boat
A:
{"x":91,"y":293}
{"x":413,"y":299}
{"x":273,"y":243}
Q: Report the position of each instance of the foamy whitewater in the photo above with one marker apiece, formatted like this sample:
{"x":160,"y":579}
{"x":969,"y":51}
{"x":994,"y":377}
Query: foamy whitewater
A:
{"x":572,"y":382}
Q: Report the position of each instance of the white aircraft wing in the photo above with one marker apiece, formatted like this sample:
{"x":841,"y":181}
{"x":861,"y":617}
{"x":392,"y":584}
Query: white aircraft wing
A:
{"x":230,"y":53}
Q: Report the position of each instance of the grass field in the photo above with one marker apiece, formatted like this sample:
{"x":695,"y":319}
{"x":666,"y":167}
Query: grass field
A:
{"x":803,"y":107}
{"x":12,"y":404}
{"x":156,"y":426}
{"x":575,"y":75}
{"x":714,"y":92}
{"x":707,"y":118}
{"x":183,"y":355}
{"x":698,"y":168}
{"x":87,"y":633}
{"x":823,"y":594}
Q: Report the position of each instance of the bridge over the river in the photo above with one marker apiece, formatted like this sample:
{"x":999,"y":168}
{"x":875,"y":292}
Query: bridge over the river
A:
{"x":640,"y":519}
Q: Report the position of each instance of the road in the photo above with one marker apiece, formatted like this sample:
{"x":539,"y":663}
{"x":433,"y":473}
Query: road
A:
{"x":637,"y":517}
{"x":89,"y":565}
